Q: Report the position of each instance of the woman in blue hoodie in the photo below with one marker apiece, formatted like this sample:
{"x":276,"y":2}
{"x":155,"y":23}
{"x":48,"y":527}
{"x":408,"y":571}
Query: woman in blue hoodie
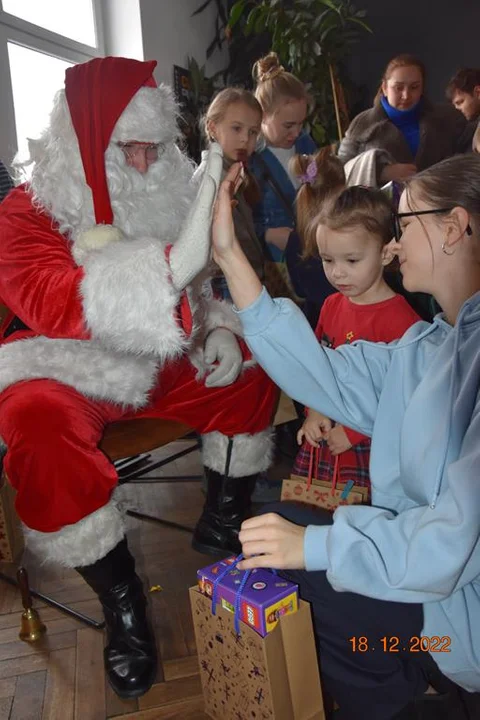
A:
{"x":395,"y":587}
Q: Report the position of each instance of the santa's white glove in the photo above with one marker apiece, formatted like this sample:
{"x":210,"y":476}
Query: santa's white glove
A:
{"x":191,"y":252}
{"x":222,"y":346}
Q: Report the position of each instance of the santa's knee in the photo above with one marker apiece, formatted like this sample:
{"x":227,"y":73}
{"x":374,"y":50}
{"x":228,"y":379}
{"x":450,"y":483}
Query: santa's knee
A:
{"x":51,"y":456}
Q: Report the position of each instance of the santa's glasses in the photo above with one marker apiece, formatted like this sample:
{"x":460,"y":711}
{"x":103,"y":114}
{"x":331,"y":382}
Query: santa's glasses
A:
{"x":132,"y":149}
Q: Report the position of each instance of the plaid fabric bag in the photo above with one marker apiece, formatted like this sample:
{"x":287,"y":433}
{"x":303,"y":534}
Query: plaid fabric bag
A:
{"x":319,"y":463}
{"x":322,"y":479}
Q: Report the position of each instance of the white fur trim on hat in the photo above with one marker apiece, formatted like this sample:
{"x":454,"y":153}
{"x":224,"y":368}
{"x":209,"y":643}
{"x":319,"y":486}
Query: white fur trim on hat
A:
{"x":250,"y":453}
{"x":150,"y":116}
{"x":82,"y":543}
{"x":95,"y":238}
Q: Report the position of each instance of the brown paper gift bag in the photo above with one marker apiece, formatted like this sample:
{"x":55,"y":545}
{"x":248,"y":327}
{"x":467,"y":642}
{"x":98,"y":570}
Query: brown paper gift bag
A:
{"x":321,"y":493}
{"x":247,"y":676}
{"x":11,"y":536}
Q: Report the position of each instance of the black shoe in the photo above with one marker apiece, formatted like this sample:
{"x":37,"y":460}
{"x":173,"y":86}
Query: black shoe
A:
{"x":130,"y":656}
{"x":227,"y":505}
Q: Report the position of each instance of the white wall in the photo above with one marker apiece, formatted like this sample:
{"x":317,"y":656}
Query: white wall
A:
{"x":170,"y":34}
{"x":122,"y":28}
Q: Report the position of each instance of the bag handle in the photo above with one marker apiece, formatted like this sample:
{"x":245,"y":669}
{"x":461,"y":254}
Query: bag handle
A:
{"x":238,"y":596}
{"x":312,"y":473}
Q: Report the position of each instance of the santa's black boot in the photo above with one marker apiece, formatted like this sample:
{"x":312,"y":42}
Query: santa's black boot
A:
{"x":227,"y":505}
{"x":130,"y":655}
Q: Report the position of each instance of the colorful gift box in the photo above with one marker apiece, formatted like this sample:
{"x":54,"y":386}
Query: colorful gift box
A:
{"x":264,"y":599}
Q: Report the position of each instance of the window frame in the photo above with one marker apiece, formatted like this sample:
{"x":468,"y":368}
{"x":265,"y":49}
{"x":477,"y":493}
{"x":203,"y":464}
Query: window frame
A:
{"x":21,"y":32}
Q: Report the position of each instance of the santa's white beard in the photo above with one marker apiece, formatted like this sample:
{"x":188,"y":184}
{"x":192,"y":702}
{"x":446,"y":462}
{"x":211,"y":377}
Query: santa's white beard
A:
{"x":154,"y":203}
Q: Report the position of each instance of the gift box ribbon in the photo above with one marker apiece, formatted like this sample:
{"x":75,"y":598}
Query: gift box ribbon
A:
{"x":238,"y":596}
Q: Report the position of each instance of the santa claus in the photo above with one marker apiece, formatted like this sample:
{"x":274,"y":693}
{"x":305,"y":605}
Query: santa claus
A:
{"x":102,"y":259}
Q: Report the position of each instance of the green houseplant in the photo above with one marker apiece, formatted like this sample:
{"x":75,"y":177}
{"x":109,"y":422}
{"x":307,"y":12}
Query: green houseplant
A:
{"x":312,"y":38}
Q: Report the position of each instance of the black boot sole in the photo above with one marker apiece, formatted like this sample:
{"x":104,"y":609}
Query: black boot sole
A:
{"x":137,"y":692}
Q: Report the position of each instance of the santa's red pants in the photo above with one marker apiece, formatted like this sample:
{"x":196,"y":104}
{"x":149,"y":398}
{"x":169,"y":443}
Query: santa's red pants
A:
{"x":52,"y":434}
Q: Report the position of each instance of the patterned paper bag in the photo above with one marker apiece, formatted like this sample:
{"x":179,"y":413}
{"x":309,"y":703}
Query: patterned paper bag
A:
{"x":323,"y":494}
{"x":319,"y":493}
{"x":247,"y":676}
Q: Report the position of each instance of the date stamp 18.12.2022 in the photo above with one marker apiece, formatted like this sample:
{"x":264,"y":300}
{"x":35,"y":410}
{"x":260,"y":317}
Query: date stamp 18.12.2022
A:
{"x":394,"y":644}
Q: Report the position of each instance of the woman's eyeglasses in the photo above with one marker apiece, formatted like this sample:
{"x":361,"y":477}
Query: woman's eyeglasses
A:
{"x":152,"y":150}
{"x":396,"y":216}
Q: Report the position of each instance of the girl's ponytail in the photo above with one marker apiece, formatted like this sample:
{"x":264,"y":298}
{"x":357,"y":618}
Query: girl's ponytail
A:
{"x":320,"y":175}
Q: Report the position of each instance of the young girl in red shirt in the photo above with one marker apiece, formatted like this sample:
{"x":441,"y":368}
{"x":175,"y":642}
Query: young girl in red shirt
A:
{"x":354,"y":229}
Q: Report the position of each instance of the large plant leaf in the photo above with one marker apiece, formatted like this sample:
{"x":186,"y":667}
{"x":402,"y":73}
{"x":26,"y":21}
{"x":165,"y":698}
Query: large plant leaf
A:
{"x":331,"y":4}
{"x":236,"y":12}
{"x":362,"y":24}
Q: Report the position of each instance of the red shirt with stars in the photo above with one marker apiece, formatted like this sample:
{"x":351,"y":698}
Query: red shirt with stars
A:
{"x":343,"y":321}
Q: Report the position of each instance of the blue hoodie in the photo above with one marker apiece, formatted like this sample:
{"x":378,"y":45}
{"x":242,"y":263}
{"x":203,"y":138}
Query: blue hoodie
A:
{"x":418,"y":398}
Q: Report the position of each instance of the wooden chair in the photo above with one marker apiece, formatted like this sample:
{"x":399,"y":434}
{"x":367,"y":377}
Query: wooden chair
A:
{"x":134,"y":439}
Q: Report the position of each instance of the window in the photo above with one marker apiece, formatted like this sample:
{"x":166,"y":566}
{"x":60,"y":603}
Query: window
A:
{"x":74,"y":20}
{"x":39,"y":40}
{"x":33,"y":100}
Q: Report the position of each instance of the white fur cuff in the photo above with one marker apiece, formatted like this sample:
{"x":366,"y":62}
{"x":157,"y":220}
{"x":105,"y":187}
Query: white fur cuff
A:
{"x":250,"y":453}
{"x":220,"y":314}
{"x":80,"y":544}
{"x":129,"y":301}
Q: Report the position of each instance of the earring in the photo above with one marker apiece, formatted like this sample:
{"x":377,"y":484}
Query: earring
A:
{"x":447,"y":253}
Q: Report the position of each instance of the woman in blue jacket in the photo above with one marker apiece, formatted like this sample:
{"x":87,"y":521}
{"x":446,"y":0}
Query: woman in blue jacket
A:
{"x":284,"y":102}
{"x":395,"y":587}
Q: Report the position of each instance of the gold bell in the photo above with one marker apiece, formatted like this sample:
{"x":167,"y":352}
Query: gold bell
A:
{"x":31,"y":628}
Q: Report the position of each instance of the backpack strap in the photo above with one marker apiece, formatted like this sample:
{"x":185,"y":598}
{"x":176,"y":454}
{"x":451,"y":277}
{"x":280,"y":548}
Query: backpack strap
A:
{"x":268,"y":177}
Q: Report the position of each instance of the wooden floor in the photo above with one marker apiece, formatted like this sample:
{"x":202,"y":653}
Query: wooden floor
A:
{"x":63,"y":678}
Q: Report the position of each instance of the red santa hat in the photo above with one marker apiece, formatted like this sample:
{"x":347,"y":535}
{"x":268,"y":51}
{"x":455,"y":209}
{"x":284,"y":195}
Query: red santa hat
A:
{"x":97,"y":93}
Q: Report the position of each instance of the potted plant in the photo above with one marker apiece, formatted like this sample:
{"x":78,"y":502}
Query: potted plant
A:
{"x":312,"y":38}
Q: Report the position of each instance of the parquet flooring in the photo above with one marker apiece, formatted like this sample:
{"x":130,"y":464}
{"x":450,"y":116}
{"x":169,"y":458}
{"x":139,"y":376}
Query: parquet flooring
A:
{"x":62,"y":677}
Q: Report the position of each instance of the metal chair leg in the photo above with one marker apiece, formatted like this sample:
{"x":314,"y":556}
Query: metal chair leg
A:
{"x":59,"y":606}
{"x":140,"y":465}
